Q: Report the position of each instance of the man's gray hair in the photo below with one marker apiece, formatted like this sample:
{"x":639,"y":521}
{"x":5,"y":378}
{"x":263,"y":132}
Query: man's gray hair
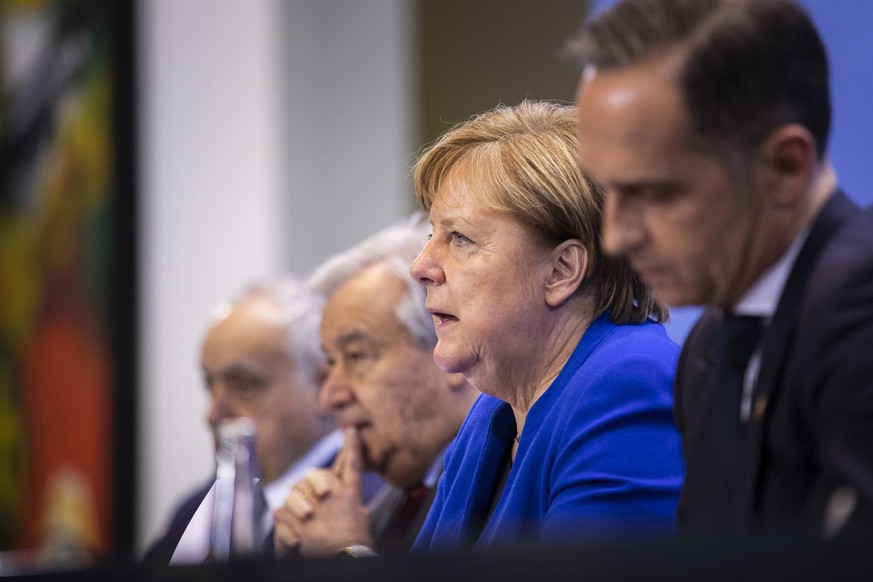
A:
{"x":396,"y":246}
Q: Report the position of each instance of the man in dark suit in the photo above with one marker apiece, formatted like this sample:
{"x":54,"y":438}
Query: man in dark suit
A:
{"x":261,"y":359}
{"x":706,"y":121}
{"x":398,"y":410}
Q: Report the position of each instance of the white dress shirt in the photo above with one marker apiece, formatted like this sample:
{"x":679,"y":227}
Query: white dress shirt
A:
{"x":761,"y":300}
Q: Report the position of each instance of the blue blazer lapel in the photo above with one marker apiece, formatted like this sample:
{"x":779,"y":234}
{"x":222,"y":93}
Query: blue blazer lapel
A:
{"x":495,"y":451}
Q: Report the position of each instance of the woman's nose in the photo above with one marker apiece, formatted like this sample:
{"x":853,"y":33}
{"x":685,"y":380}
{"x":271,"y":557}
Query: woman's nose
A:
{"x":425,"y":268}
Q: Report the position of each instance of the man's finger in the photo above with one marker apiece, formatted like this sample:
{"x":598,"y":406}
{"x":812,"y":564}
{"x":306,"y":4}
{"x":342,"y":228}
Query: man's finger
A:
{"x":320,"y":480}
{"x":299,"y":506}
{"x":285,"y":538}
{"x":350,"y":465}
{"x":283,"y":516}
{"x":340,"y":458}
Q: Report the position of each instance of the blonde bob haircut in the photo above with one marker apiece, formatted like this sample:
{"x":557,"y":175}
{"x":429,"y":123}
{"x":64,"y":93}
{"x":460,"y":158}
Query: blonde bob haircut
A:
{"x":521,"y":162}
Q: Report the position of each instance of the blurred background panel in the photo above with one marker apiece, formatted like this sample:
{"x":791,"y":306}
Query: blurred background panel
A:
{"x":67,"y":269}
{"x":476,"y":55}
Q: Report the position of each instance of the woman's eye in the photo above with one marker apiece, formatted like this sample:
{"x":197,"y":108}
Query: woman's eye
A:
{"x":458,"y":237}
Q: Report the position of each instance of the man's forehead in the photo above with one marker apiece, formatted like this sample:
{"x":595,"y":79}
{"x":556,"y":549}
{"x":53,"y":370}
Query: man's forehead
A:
{"x":348,"y":316}
{"x":341,"y":329}
{"x":250,"y":358}
{"x":370,"y":293}
{"x":240,"y":367}
{"x":352,"y":336}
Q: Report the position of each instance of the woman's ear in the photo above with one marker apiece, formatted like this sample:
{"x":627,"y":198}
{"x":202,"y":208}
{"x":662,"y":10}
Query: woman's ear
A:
{"x":568,"y":269}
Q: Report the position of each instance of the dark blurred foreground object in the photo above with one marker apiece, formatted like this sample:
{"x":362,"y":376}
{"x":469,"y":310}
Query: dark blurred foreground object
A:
{"x":711,"y":560}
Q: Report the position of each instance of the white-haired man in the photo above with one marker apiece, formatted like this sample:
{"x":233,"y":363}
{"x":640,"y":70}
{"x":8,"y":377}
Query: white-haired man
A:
{"x":261,"y":359}
{"x":398,"y":410}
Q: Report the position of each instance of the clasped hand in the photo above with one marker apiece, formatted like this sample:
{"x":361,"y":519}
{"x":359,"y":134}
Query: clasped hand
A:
{"x":324,"y":511}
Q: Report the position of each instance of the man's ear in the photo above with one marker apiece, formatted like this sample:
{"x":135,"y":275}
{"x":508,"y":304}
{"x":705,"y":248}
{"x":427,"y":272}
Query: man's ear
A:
{"x":568,"y":269}
{"x":786,"y":165}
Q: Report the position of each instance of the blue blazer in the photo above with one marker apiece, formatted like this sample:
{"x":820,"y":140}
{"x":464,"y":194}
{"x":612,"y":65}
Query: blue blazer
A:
{"x":599,"y":456}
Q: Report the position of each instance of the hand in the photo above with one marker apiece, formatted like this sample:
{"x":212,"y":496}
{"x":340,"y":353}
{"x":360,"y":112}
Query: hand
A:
{"x":285,"y":538}
{"x":324,"y":512}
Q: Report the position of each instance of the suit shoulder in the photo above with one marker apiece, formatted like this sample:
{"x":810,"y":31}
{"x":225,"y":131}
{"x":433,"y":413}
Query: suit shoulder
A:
{"x":843,"y":274}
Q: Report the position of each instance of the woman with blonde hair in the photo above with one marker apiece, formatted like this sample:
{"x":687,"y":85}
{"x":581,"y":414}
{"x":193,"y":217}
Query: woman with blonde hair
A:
{"x":573,"y":437}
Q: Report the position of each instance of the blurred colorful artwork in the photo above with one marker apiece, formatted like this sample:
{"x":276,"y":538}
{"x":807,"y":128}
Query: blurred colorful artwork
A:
{"x":57,"y":229}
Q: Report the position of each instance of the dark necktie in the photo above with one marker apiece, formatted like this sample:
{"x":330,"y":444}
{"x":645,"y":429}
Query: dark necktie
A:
{"x":739,"y":336}
{"x":396,"y":535}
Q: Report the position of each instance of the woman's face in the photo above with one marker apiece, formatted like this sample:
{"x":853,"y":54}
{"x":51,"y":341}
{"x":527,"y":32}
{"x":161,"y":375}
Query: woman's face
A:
{"x":485,"y":281}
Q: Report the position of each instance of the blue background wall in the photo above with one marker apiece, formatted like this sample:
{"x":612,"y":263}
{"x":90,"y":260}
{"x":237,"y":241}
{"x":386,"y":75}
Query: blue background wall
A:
{"x":846,"y":26}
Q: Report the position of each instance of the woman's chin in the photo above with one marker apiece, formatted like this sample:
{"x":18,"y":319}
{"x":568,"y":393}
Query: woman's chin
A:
{"x":450,"y":361}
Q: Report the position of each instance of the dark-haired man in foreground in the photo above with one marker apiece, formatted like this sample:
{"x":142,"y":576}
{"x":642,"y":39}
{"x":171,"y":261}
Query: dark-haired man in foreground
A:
{"x":707,"y":122}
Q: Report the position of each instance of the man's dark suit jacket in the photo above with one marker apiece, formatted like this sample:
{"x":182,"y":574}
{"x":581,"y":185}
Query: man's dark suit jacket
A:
{"x":807,"y":458}
{"x":161,"y":551}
